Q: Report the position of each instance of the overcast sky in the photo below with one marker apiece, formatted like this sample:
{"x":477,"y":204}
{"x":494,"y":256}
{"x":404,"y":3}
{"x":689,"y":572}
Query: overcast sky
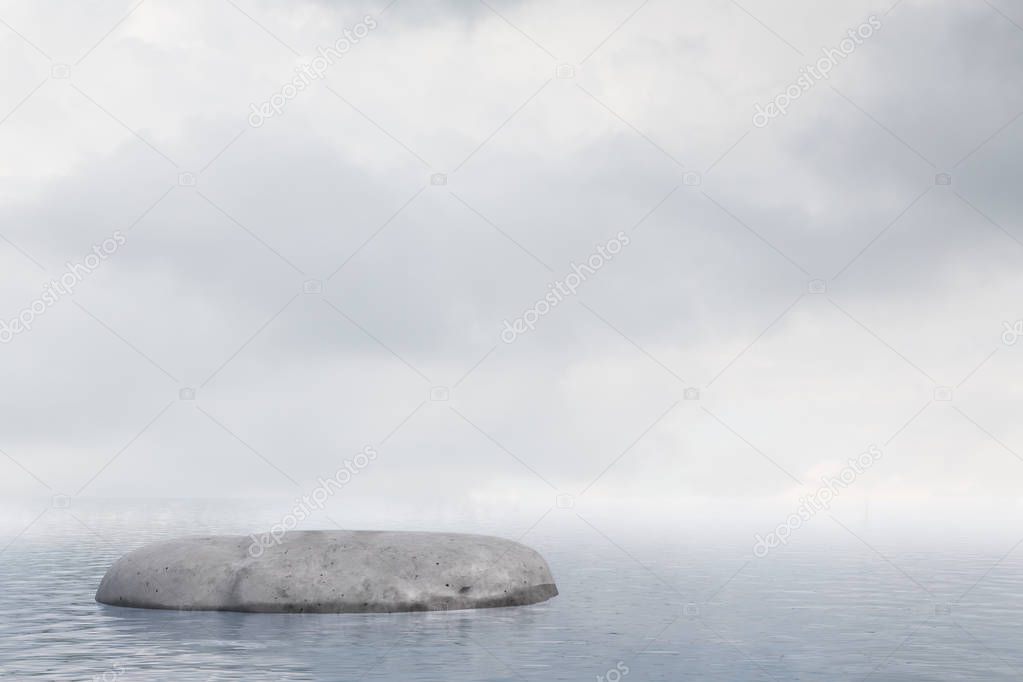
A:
{"x":553,"y":126}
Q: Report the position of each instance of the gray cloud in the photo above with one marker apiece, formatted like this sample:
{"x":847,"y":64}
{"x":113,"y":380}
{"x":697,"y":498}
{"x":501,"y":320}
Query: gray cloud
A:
{"x":418,"y":279}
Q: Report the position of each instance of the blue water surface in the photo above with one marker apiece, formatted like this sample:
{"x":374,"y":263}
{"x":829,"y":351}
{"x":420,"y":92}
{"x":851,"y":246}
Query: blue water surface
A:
{"x":632,"y":607}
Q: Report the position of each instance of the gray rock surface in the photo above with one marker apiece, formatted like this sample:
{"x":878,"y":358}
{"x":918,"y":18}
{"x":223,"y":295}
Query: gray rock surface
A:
{"x":330,"y":572}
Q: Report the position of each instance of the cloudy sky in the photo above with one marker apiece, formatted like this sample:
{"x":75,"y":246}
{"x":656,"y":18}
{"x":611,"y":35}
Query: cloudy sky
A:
{"x":338,"y":276}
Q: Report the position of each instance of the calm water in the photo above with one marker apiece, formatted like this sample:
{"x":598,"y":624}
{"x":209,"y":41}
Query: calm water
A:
{"x":665,"y":608}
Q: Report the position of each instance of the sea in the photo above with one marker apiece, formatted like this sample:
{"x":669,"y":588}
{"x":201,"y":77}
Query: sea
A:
{"x":635,"y":603}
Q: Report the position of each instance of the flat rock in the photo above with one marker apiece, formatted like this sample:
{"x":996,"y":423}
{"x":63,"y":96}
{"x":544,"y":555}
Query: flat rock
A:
{"x":330,"y":572}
